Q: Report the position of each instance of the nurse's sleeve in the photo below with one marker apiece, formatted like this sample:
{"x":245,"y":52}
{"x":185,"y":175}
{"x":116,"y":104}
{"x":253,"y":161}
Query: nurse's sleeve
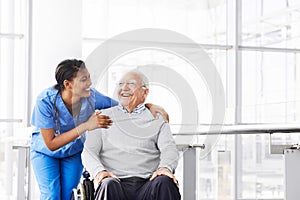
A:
{"x":43,"y":114}
{"x":102,"y":101}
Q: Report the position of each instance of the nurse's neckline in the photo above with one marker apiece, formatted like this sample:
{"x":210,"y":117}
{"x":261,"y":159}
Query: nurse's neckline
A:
{"x":73,"y":109}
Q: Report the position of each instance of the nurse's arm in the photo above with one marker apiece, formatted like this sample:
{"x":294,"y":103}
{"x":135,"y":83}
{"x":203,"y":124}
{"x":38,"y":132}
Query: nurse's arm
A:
{"x":55,"y":142}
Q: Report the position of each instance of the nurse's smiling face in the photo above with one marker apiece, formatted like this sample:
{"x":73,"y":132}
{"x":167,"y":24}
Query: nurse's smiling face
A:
{"x":82,"y":83}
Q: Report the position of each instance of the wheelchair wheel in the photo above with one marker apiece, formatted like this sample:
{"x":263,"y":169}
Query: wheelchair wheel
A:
{"x":74,"y":194}
{"x":79,"y":193}
{"x":85,"y":189}
{"x":89,"y":189}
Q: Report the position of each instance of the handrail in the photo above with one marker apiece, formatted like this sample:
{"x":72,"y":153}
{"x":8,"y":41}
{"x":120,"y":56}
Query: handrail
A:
{"x":217,"y":129}
{"x":11,"y":120}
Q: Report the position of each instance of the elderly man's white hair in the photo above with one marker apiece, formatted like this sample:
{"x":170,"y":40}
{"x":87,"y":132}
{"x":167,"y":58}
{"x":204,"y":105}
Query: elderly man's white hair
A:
{"x":144,"y":78}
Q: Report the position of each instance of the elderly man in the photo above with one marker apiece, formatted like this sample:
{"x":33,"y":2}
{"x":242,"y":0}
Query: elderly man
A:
{"x":136,"y":157}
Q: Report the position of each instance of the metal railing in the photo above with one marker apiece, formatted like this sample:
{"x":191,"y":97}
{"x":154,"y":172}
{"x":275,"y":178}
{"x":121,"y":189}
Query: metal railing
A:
{"x":189,"y":157}
{"x":203,"y":129}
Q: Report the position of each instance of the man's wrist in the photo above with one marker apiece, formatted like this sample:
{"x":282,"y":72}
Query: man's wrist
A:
{"x":100,"y":172}
{"x":168,"y":168}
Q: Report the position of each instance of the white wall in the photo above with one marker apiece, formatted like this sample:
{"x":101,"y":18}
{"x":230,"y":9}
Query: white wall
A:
{"x":56,"y":35}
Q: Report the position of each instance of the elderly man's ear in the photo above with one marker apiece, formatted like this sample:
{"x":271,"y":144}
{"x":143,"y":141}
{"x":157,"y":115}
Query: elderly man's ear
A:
{"x":146,"y":90}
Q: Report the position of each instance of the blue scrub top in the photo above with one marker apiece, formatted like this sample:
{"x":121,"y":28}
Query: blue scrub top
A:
{"x":43,"y":116}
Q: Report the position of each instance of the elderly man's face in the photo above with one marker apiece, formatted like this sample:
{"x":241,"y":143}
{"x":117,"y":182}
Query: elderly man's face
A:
{"x":131,"y":91}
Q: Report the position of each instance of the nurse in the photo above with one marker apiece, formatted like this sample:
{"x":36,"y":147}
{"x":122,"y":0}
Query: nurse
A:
{"x":61,"y":116}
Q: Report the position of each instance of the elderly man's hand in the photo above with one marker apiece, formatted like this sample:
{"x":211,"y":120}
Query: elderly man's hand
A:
{"x":102,"y":175}
{"x":164,"y":172}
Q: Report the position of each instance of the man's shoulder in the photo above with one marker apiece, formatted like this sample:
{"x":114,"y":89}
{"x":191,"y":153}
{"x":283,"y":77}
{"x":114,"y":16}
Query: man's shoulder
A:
{"x":110,"y":111}
{"x":155,"y":122}
{"x":161,"y":118}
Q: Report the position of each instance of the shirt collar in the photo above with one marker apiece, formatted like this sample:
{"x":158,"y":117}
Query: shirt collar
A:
{"x":136,"y":110}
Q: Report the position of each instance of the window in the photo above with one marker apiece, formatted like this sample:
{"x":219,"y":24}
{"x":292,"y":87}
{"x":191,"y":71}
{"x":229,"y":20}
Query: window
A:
{"x":13,"y":87}
{"x":267,"y":59}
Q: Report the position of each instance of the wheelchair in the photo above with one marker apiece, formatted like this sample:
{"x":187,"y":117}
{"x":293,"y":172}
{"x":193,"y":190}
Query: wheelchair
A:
{"x":85,"y":189}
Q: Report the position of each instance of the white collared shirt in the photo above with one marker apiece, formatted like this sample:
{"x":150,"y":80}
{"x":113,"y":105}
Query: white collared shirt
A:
{"x":141,"y":107}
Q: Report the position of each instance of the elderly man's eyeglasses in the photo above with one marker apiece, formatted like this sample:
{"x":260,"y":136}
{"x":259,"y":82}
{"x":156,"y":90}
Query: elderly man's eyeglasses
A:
{"x":132,"y":84}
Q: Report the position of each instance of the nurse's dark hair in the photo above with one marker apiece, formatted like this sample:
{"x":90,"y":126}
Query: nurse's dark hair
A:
{"x":67,"y":70}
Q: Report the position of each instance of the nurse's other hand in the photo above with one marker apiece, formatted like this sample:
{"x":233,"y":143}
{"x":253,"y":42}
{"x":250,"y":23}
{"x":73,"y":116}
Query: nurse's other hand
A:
{"x":154,"y":109}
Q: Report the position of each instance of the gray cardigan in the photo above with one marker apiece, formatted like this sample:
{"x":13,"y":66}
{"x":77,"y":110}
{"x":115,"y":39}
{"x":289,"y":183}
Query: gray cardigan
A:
{"x":134,"y":146}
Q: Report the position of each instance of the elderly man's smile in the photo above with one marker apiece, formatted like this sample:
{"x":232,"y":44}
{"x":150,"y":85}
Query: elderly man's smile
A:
{"x":126,"y":95}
